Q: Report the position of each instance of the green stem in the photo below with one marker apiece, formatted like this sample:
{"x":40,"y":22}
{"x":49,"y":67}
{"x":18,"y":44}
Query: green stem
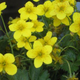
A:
{"x":69,"y":68}
{"x":7,"y":33}
{"x":62,"y":38}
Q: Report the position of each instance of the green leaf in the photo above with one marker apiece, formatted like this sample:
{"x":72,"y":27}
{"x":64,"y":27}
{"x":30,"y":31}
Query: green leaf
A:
{"x":70,"y":54}
{"x":34,"y":72}
{"x":20,"y":75}
{"x":44,"y":76}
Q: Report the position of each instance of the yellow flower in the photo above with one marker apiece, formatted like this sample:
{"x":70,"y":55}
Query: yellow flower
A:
{"x":21,"y":28}
{"x":6,"y":64}
{"x":29,"y":11}
{"x":2,"y":6}
{"x":38,"y":26}
{"x":40,"y":53}
{"x":57,"y":22}
{"x":36,"y":0}
{"x":25,"y":42}
{"x":61,"y":10}
{"x":72,"y":2}
{"x":48,"y":39}
{"x":45,"y":9}
{"x":75,"y":27}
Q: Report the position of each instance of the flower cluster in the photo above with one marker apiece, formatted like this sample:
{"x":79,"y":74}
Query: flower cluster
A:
{"x":35,"y":32}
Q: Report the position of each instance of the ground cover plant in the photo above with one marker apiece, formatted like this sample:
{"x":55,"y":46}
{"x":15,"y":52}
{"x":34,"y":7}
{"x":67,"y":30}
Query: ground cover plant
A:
{"x":43,"y":43}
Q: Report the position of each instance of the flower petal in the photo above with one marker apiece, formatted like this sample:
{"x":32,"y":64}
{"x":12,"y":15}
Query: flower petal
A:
{"x":10,"y":69}
{"x":17,"y":34}
{"x":1,"y":58}
{"x":9,"y":58}
{"x":47,"y":59}
{"x":38,"y":45}
{"x":65,"y":21}
{"x":47,"y":49}
{"x":20,"y":44}
{"x":28,"y":45}
{"x":48,"y":36}
{"x":76,"y":17}
{"x":38,"y":62}
{"x":74,"y":27}
{"x":32,"y":38}
{"x":1,"y":68}
{"x":31,"y":54}
{"x":56,"y":22}
{"x":52,"y":41}
{"x":61,"y":15}
{"x":33,"y":16}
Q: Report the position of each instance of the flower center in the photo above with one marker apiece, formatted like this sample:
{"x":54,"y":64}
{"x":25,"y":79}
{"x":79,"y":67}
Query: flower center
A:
{"x":29,"y":10}
{"x":61,"y":8}
{"x":46,"y":9}
{"x":21,"y":27}
{"x":40,"y":54}
{"x":24,"y":40}
{"x":3,"y":63}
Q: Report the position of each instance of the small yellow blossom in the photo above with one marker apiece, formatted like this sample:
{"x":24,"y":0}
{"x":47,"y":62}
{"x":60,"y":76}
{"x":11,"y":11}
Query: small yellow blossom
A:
{"x":36,"y":0}
{"x":29,"y":11}
{"x":21,"y":28}
{"x":45,"y":9}
{"x":6,"y":64}
{"x":25,"y":42}
{"x":75,"y":27}
{"x":61,"y":10}
{"x":38,"y":26}
{"x":48,"y":39}
{"x":40,"y":53}
{"x":2,"y":6}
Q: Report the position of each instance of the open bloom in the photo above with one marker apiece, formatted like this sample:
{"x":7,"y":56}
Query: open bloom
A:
{"x":2,"y":6}
{"x":45,"y":9}
{"x":21,"y":28}
{"x":75,"y":27}
{"x":40,"y":53}
{"x":61,"y":10}
{"x":48,"y":39}
{"x":38,"y":26}
{"x":25,"y":42}
{"x":6,"y":63}
{"x":29,"y":11}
